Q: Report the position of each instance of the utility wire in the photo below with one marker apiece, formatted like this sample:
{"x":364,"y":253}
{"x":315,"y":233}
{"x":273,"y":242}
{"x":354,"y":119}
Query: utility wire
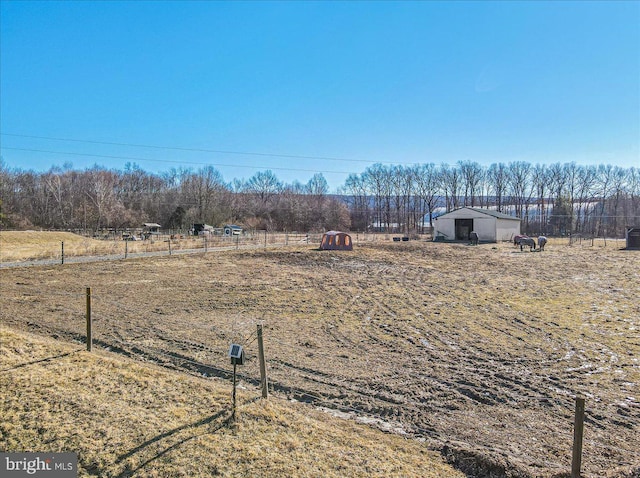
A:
{"x":198,"y":150}
{"x":130,"y":158}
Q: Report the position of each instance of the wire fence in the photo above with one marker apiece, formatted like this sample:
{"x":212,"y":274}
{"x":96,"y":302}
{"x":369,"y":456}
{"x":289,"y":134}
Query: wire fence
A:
{"x":162,"y":340}
{"x":115,"y":248}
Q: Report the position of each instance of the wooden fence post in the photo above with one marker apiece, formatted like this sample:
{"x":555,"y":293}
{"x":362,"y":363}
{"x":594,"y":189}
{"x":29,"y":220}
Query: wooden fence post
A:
{"x":263,"y":365}
{"x":89,"y":336}
{"x":578,"y":431}
{"x":126,"y":249}
{"x":169,"y":246}
{"x":233,"y":412}
{"x":62,"y":252}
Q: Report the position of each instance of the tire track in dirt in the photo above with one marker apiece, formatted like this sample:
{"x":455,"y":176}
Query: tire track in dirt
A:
{"x":396,"y":343}
{"x":507,"y":380}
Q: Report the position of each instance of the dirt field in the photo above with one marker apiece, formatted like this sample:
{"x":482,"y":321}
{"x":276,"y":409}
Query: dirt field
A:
{"x":479,"y":351}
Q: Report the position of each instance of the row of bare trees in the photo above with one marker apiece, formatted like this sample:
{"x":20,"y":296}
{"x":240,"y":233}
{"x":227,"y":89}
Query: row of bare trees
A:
{"x":553,"y":199}
{"x":99,"y":198}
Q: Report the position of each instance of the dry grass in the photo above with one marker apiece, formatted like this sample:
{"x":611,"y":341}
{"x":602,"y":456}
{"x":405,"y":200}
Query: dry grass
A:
{"x":127,"y":419}
{"x":28,"y":245}
{"x":33,"y":245}
{"x":16,"y":246}
{"x":479,"y":350}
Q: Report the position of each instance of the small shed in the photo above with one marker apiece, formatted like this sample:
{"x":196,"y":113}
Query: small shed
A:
{"x":633,"y":238}
{"x":232,"y":230}
{"x":491,"y":226}
{"x":151,"y":227}
{"x":202,"y":229}
{"x":336,"y":241}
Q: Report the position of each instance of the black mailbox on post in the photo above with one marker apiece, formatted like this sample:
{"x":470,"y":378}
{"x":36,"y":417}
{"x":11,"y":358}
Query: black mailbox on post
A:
{"x":236,"y":352}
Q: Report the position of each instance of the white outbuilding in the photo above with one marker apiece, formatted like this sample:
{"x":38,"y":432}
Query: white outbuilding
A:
{"x":491,"y":226}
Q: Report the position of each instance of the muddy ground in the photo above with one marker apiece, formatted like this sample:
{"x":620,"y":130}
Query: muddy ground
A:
{"x":480,"y":351}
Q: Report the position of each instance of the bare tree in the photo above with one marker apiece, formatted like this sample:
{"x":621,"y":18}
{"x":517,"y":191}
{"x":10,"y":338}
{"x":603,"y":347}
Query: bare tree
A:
{"x":520,"y":186}
{"x":633,"y":189}
{"x":428,"y":190}
{"x":336,"y":215}
{"x":358,"y":197}
{"x":265,"y":185}
{"x":582,"y":198}
{"x":7,"y":194}
{"x":203,"y":191}
{"x":132,"y":186}
{"x":604,"y":180}
{"x":401,"y":181}
{"x":263,"y":188}
{"x":498,"y":178}
{"x":584,"y":194}
{"x":471,"y":174}
{"x":618,"y":181}
{"x":99,"y":187}
{"x":377,"y":180}
{"x":450,"y":178}
{"x":316,"y":190}
{"x":540,"y":178}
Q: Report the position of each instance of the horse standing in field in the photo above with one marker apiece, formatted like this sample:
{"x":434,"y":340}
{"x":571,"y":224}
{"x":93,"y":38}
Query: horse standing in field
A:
{"x":527,"y":241}
{"x":517,"y":238}
{"x":474,"y":238}
{"x":542,"y":240}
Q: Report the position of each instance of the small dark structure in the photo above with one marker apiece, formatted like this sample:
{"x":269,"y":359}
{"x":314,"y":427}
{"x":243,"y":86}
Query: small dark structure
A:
{"x":633,"y":238}
{"x":232,"y":230}
{"x":202,"y":229}
{"x":336,"y":241}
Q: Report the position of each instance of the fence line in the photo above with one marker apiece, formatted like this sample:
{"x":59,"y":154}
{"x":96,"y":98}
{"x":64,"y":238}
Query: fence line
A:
{"x":168,"y":244}
{"x":248,"y":339}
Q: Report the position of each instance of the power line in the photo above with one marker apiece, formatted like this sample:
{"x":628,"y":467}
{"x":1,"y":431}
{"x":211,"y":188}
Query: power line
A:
{"x":198,"y":150}
{"x":130,"y":158}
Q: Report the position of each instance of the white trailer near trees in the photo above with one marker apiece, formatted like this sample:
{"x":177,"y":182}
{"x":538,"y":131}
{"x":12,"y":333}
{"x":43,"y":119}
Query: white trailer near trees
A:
{"x":491,"y":226}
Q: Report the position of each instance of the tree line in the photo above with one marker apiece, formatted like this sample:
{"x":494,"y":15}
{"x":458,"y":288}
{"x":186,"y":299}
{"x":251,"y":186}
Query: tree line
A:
{"x":98,"y":198}
{"x":555,"y":199}
{"x":552,"y":199}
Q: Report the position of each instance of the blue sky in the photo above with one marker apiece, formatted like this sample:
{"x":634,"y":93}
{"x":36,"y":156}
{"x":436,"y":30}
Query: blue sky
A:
{"x":357,"y":82}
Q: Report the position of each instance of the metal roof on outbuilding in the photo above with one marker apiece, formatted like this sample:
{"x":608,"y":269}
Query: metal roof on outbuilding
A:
{"x":490,"y":212}
{"x":489,"y":225}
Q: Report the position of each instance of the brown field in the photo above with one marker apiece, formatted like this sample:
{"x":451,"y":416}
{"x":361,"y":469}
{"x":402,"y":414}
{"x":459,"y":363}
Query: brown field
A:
{"x":125,"y":419}
{"x":477,"y":351}
{"x":33,"y":245}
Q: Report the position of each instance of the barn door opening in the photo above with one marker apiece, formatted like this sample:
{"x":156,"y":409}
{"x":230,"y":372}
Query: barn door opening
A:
{"x":463,"y":229}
